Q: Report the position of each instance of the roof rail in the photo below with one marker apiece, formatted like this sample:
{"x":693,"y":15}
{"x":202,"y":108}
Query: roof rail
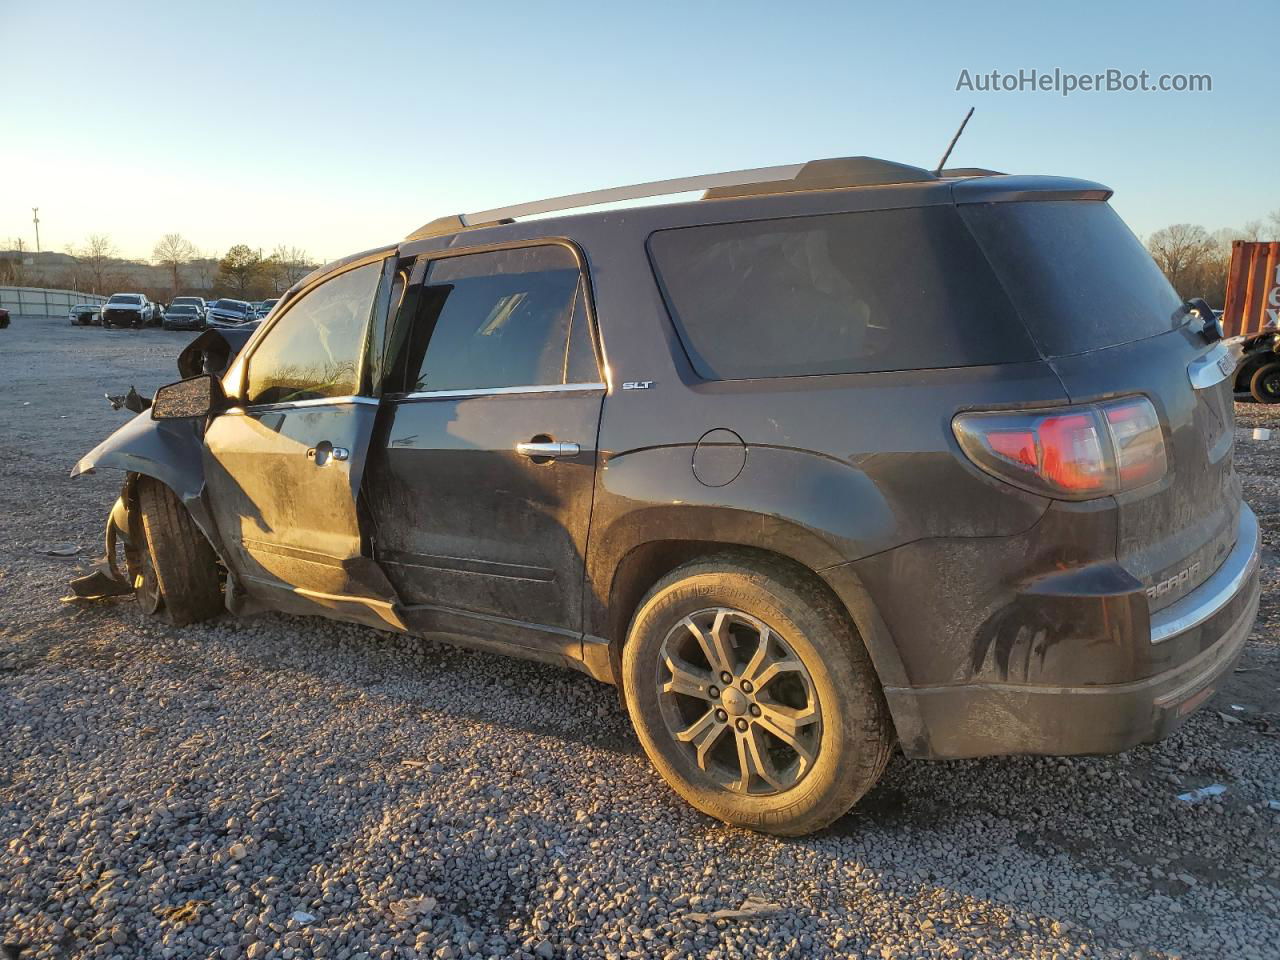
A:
{"x":815,"y":175}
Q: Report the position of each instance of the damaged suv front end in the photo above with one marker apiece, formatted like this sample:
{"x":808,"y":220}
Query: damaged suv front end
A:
{"x":169,"y":450}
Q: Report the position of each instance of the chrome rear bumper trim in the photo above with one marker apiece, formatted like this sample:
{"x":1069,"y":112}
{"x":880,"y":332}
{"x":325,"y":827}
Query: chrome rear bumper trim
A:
{"x":1219,"y":590}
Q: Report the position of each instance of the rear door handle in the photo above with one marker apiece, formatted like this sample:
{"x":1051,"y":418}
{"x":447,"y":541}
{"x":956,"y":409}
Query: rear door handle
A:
{"x":549,"y":450}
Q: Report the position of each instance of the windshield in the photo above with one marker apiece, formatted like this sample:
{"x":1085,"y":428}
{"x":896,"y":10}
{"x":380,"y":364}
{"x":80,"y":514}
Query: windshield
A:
{"x":1078,"y":277}
{"x":231,"y":306}
{"x":184,"y":300}
{"x":129,"y":298}
{"x":181,"y":308}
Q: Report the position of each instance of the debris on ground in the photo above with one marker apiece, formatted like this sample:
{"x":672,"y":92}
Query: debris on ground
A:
{"x":751,"y":907}
{"x":64,"y":549}
{"x":99,"y":584}
{"x":1204,"y":793}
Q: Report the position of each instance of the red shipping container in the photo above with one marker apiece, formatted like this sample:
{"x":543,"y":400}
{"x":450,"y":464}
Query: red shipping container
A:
{"x":1253,"y":288}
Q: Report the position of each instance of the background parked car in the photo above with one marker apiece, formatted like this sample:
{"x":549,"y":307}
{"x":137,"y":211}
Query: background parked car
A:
{"x":4,"y":318}
{"x":266,"y":306}
{"x":128,"y":310}
{"x":85,"y":315}
{"x":201,"y":305}
{"x":230,"y":313}
{"x":182,"y":316}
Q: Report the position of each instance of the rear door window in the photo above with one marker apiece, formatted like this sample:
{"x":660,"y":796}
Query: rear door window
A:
{"x":1078,"y":276}
{"x":507,"y":318}
{"x":845,"y":293}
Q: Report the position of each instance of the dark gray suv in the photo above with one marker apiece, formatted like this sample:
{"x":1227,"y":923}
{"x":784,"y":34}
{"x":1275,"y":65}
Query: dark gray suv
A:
{"x":841,"y":456}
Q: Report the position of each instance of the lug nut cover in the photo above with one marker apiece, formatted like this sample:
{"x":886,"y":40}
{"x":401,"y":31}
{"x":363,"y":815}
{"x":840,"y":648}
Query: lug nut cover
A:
{"x":746,"y":686}
{"x":713,"y":691}
{"x":741,"y":724}
{"x":755,"y":709}
{"x":726,"y":677}
{"x":721,"y":716}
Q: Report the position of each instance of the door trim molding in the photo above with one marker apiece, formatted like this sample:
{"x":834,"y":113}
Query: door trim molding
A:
{"x":502,"y":391}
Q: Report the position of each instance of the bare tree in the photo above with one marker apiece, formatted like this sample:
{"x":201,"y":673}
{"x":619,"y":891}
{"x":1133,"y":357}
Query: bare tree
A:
{"x":1274,"y":219}
{"x":172,"y":251}
{"x":1251,"y":231}
{"x":97,"y":255}
{"x":1180,"y":250}
{"x":294,"y":264}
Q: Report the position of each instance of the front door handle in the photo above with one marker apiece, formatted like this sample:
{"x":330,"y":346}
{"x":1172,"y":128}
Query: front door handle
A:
{"x":325,"y":452}
{"x":548,"y":450}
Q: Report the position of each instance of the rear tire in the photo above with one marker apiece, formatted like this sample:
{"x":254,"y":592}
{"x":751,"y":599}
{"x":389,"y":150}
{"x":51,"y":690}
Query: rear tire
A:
{"x":179,"y":577}
{"x":1265,"y":383}
{"x":719,"y":746}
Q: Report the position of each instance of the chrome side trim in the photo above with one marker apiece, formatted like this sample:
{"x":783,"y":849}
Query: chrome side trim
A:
{"x":319,"y":402}
{"x":1219,"y":590}
{"x":500,"y":391}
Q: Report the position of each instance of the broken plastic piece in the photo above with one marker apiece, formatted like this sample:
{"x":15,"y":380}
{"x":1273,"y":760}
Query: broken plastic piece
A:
{"x":99,"y":585}
{"x":132,"y":401}
{"x":61,"y":549}
{"x":1204,"y":793}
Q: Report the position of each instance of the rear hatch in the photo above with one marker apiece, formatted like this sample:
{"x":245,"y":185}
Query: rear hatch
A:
{"x":1109,"y":323}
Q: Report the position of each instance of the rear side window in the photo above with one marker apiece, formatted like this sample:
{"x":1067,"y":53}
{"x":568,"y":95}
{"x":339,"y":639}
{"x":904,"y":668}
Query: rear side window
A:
{"x":1078,"y":276}
{"x":509,"y":318}
{"x":313,"y":352}
{"x":844,"y":293}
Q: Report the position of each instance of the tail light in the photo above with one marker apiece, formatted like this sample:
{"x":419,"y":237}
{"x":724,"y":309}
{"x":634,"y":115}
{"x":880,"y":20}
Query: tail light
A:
{"x":1068,"y":453}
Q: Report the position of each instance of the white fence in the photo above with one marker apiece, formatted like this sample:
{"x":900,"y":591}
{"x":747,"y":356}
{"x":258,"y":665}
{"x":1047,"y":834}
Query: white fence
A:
{"x":39,"y":302}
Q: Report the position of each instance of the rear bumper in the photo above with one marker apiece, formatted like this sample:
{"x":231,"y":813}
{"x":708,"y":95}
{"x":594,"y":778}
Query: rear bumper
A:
{"x":985,"y":719}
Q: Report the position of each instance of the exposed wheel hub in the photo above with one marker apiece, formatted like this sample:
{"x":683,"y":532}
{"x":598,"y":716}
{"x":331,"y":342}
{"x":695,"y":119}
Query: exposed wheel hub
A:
{"x":739,"y":701}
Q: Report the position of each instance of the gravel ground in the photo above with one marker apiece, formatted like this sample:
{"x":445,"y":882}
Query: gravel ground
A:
{"x":289,"y":788}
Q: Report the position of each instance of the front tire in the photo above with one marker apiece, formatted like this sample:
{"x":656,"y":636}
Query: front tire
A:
{"x":179,"y":575}
{"x":1265,"y":383}
{"x":753,"y":695}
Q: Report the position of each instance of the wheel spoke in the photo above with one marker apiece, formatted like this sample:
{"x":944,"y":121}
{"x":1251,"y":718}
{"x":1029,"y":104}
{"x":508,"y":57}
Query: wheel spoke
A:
{"x":754,"y":761}
{"x":714,"y":642}
{"x":703,"y":734}
{"x":758,"y":659}
{"x":686,"y":679}
{"x":787,"y":723}
{"x":777,"y":667}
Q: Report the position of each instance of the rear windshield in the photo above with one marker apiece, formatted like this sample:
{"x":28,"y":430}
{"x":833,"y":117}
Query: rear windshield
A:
{"x":1079,"y":277}
{"x":844,"y":293}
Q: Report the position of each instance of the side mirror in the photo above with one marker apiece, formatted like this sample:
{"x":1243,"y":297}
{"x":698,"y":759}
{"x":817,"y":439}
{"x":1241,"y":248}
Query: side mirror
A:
{"x":195,"y":397}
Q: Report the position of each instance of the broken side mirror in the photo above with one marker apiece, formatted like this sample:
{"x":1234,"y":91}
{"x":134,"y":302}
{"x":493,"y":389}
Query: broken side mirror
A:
{"x":194,"y":397}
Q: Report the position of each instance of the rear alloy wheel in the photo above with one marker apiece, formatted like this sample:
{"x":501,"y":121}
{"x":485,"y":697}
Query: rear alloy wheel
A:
{"x":178,"y":576}
{"x":753,"y":695}
{"x":1265,"y":383}
{"x":740,"y":701}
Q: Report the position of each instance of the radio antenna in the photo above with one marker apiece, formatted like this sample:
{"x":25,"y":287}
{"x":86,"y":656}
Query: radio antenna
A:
{"x":952,"y":145}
